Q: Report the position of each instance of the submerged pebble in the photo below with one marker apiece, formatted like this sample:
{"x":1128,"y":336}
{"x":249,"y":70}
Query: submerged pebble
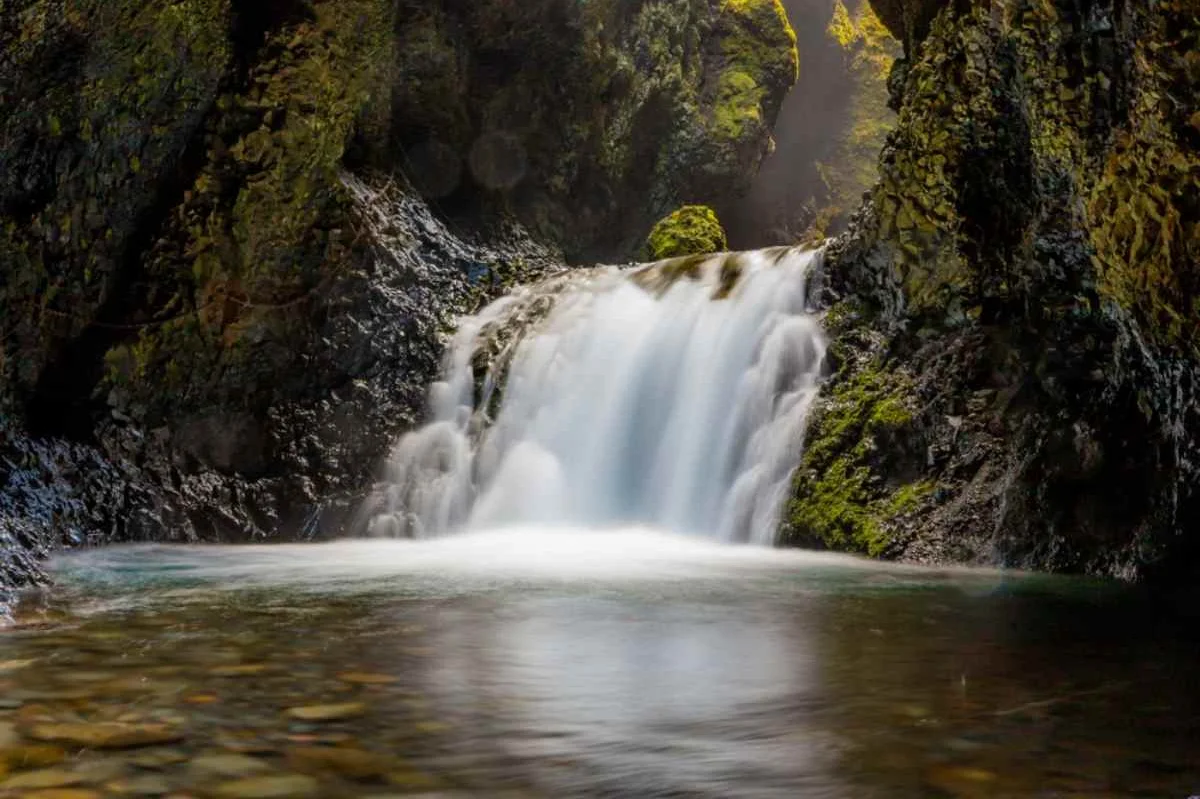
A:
{"x":281,"y":787}
{"x":105,"y":735}
{"x":228,"y":765}
{"x":344,"y":710}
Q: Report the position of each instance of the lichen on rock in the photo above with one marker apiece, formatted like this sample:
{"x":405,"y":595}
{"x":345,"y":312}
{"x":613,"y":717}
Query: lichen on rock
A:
{"x":690,"y":230}
{"x":1027,"y":262}
{"x":855,"y":476}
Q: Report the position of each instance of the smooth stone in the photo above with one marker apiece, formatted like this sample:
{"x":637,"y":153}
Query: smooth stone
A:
{"x":246,"y":745}
{"x":201,"y":699}
{"x":241,"y":670}
{"x":276,"y":787}
{"x":366,"y":678}
{"x":356,"y":764}
{"x":158,"y":758}
{"x":87,"y":676}
{"x":346,"y":710}
{"x":145,"y":785}
{"x":961,"y":781}
{"x":10,"y":704}
{"x":8,"y":735}
{"x":32,"y":756}
{"x":415,"y":781}
{"x":229,"y":766}
{"x":106,"y":735}
{"x":14,"y":665}
{"x":100,"y":770}
{"x":48,"y":778}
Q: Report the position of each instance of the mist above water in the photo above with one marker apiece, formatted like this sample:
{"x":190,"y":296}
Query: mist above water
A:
{"x":672,"y":396}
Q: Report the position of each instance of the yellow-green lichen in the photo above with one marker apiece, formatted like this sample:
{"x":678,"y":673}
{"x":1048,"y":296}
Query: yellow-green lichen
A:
{"x":1145,"y":206}
{"x":759,"y":47}
{"x":691,"y":230}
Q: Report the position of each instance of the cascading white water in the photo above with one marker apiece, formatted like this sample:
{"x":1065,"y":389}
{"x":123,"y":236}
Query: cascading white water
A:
{"x":672,"y":396}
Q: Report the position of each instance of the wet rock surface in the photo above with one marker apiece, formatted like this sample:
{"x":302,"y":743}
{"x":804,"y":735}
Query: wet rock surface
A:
{"x":299,"y":463}
{"x":1049,"y":408}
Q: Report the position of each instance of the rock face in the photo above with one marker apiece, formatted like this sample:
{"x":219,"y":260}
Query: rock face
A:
{"x":234,"y":234}
{"x":1014,"y":312}
{"x":592,"y":120}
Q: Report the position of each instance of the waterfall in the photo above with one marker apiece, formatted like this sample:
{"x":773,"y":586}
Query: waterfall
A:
{"x":672,"y":395}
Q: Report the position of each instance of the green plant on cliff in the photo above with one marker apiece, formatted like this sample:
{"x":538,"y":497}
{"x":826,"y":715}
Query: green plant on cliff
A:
{"x":843,"y":497}
{"x":691,"y":230}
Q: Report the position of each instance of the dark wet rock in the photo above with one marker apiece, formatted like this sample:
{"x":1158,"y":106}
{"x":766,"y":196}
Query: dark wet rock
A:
{"x":1026,"y":299}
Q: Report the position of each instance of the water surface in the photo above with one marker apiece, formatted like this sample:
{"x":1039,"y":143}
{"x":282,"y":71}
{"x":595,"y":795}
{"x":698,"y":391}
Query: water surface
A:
{"x":589,"y":663}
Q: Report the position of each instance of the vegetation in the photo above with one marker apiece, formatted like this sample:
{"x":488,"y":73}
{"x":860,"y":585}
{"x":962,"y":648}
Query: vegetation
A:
{"x":691,"y":230}
{"x":844,"y":495}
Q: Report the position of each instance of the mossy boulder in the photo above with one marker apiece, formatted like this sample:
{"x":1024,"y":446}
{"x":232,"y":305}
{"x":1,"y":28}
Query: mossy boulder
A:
{"x":691,"y":230}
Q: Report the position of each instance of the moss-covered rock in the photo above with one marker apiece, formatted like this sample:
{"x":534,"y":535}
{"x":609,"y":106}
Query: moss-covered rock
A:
{"x":856,"y":474}
{"x":691,"y":230}
{"x":1028,"y":260}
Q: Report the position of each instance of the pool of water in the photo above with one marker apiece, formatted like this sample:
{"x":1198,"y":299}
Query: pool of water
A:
{"x":556,"y":663}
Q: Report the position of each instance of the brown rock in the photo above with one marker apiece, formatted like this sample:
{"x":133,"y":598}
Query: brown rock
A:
{"x":279,"y":787}
{"x":366,"y":678}
{"x":345,"y":710}
{"x":26,"y":757}
{"x":105,"y":735}
{"x":47,"y":778}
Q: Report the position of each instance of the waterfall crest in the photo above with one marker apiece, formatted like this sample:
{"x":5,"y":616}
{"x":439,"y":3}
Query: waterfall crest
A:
{"x":672,"y":395}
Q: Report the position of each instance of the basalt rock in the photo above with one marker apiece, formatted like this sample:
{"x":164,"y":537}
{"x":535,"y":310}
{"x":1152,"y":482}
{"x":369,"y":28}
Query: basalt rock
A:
{"x":1022,"y":280}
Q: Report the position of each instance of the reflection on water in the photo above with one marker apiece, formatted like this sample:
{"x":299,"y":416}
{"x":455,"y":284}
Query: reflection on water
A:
{"x":578,"y":663}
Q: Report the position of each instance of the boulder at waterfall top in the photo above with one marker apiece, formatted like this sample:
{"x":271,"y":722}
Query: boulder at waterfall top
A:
{"x":1015,"y":309}
{"x":234,"y":234}
{"x":692,"y":230}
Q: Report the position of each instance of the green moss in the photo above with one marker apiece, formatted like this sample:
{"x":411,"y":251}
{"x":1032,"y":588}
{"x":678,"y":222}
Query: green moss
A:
{"x":759,"y":47}
{"x":841,"y":497}
{"x":691,"y":230}
{"x":265,"y":223}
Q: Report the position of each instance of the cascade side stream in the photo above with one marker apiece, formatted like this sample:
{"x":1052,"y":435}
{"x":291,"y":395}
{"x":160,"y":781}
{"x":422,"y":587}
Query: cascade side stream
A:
{"x":672,"y":395}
